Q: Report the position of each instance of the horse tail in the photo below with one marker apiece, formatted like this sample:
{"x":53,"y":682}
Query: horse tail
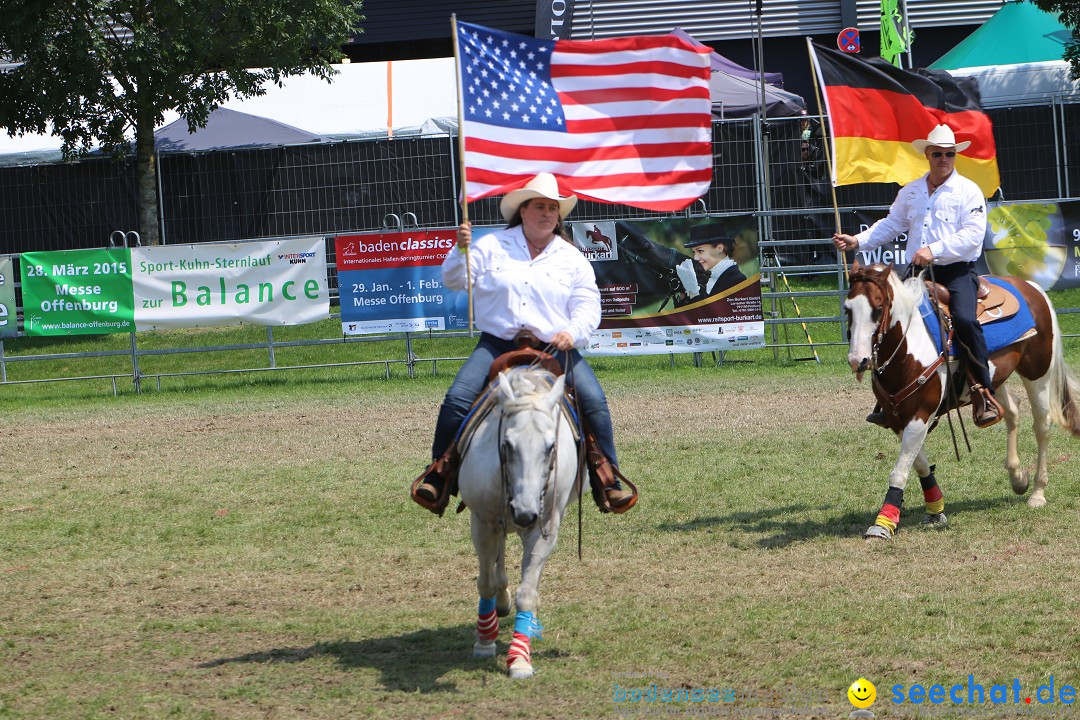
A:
{"x":1064,"y":390}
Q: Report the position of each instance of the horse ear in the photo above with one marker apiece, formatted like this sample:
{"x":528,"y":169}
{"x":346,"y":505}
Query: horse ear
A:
{"x":505,"y":390}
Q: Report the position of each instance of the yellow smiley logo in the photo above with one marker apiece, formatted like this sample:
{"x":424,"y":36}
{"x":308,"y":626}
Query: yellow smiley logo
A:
{"x":862,"y":693}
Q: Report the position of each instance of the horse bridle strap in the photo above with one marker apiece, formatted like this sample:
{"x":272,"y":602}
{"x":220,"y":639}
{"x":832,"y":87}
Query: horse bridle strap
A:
{"x":895,"y":399}
{"x":545,"y":497}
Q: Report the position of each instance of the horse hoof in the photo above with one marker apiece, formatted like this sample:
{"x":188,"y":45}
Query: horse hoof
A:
{"x":483,"y":650}
{"x":935,"y":520}
{"x":502,"y":603}
{"x":1036,"y":501}
{"x":876,"y":532}
{"x":1020,"y":485}
{"x":521,"y":670}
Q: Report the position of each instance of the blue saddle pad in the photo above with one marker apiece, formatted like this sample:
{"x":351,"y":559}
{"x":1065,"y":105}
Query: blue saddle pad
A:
{"x":999,"y":333}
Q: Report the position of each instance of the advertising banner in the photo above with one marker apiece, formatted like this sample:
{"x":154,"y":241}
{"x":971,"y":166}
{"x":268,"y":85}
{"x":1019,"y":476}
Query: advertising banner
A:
{"x":1034,"y":241}
{"x":392,"y":282}
{"x":279,"y":282}
{"x":9,"y":326}
{"x":77,"y":292}
{"x":659,"y":296}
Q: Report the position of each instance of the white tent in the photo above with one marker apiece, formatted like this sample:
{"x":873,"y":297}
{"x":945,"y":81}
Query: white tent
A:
{"x":1015,"y":56}
{"x":1036,"y":82}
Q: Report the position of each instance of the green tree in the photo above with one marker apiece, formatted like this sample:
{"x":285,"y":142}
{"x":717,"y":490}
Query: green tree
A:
{"x":105,"y":71}
{"x":1068,"y":12}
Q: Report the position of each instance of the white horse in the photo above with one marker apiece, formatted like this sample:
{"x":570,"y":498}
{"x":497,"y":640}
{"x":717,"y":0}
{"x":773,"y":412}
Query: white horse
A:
{"x":889,"y":338}
{"x":517,"y":474}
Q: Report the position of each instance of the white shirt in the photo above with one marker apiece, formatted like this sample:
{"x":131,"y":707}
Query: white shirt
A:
{"x":952,"y":221}
{"x":511,"y":292}
{"x":716,"y":271}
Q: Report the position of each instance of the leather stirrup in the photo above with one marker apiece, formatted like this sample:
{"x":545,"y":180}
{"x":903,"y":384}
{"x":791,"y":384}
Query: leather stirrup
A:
{"x":602,"y":475}
{"x":446,"y":468}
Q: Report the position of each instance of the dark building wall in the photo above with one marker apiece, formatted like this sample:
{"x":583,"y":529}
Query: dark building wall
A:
{"x":412,"y":29}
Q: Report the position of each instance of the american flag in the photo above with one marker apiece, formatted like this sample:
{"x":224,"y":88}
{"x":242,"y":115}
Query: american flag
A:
{"x":624,"y":120}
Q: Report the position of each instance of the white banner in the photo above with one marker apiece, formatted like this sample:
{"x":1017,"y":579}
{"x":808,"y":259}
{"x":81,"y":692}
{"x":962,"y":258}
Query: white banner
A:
{"x":281,"y":282}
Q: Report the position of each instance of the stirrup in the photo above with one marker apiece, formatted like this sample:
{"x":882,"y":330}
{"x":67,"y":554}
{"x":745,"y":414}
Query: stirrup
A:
{"x":986,"y":403}
{"x":438,"y":506}
{"x":603,"y":478}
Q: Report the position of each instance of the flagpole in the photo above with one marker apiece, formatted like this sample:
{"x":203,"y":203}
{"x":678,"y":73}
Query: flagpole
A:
{"x":828,"y":154}
{"x":461,"y":160}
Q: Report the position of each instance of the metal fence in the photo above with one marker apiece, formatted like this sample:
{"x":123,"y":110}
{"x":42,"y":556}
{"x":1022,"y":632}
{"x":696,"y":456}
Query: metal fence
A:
{"x":766,"y":170}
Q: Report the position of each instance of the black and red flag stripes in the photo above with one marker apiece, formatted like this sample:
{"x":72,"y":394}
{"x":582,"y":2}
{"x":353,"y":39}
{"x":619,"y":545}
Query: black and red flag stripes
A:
{"x":876,"y":110}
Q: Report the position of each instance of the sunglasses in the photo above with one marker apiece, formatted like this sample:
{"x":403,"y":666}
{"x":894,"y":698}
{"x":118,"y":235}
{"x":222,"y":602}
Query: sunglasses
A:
{"x":938,"y":153}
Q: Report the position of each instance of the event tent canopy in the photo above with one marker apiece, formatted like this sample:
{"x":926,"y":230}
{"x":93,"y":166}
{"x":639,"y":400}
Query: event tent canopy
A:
{"x":1015,"y":56}
{"x":230,"y":129}
{"x":1019,"y":32}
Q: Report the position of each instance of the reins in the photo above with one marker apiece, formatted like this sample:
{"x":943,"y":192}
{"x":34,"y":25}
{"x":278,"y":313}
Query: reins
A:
{"x":949,"y":396}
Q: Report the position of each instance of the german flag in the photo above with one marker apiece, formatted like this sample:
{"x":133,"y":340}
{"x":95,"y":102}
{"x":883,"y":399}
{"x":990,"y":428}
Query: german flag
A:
{"x":876,"y":110}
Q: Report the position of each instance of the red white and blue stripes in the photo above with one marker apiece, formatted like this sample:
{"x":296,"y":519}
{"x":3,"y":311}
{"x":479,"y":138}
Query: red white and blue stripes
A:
{"x":487,"y":622}
{"x":525,"y":628}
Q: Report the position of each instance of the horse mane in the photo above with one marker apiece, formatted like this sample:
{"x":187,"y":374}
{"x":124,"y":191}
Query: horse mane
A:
{"x":527,"y":383}
{"x":907,"y":296}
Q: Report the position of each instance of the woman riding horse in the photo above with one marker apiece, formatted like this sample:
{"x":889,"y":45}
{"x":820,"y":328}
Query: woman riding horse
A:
{"x":527,"y":277}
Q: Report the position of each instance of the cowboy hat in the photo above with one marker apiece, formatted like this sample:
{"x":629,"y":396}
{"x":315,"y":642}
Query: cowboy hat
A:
{"x":709,"y":234}
{"x":543,"y":185}
{"x":941,"y":136}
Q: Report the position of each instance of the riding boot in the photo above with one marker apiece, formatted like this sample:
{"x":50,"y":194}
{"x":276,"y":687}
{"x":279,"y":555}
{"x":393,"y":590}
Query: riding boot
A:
{"x":432,"y":490}
{"x":608,"y":493}
{"x":985,"y":408}
{"x":877,"y":417}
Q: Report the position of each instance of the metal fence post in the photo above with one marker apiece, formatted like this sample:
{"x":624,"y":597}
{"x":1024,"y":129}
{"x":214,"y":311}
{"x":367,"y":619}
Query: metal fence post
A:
{"x":136,"y":376}
{"x":270,"y":345}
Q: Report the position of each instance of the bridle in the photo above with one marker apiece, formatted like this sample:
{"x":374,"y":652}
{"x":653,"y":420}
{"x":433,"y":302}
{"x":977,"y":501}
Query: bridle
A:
{"x":882,"y":329}
{"x":878,"y":368}
{"x":546,"y":500}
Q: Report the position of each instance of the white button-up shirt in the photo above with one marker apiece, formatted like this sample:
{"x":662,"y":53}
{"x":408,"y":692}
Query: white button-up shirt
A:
{"x":511,"y":292}
{"x":951,"y":222}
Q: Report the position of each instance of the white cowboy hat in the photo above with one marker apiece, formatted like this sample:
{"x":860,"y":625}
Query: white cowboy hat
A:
{"x":543,"y":185}
{"x":941,"y":136}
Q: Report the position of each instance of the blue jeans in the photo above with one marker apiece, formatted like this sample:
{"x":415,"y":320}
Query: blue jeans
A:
{"x":472,"y":377}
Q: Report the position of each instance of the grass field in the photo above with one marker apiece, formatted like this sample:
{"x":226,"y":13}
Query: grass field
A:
{"x":243,"y":547}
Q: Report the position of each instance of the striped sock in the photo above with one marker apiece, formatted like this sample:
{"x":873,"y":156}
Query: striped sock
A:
{"x":889,"y":515}
{"x":519,"y":648}
{"x":487,"y":622}
{"x":935,"y":501}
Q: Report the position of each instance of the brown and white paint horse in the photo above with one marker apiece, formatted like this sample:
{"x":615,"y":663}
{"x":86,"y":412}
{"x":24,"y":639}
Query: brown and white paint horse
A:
{"x":889,"y":338}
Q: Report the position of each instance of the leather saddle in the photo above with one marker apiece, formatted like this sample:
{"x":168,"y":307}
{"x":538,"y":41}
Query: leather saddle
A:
{"x":995,"y":303}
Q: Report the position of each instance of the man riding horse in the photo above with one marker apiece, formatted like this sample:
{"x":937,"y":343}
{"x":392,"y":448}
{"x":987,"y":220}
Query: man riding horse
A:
{"x":944,"y":216}
{"x":529,"y":281}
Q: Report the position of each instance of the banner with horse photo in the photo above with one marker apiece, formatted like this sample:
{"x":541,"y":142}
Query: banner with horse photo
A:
{"x":1034,"y":241}
{"x":674,"y":285}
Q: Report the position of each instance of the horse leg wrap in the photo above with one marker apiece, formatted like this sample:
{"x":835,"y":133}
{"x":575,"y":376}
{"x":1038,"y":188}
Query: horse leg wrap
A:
{"x":487,"y":622}
{"x":889,"y":515}
{"x":525,"y":628}
{"x":935,"y":501}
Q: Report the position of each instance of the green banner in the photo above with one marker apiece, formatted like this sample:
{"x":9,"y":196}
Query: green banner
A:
{"x":9,"y":326}
{"x":77,"y":292}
